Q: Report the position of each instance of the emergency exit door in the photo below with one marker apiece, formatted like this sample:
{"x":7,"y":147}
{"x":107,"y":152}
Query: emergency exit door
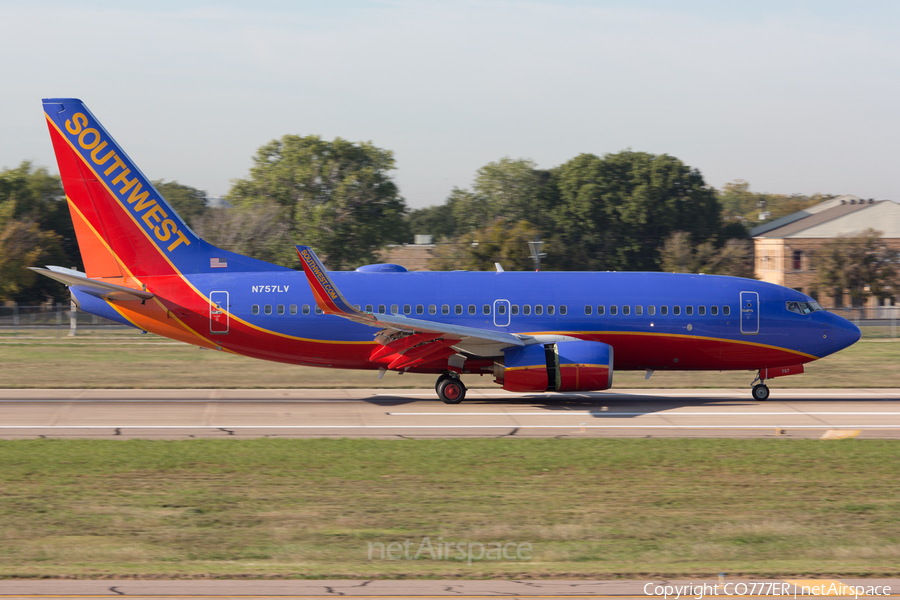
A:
{"x":218,"y":312}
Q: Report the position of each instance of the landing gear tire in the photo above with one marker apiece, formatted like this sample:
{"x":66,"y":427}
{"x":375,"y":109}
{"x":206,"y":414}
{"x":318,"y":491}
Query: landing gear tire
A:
{"x":760,"y":392}
{"x":451,"y":391}
{"x":441,"y":380}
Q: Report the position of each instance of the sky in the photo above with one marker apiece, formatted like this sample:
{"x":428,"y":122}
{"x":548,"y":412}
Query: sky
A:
{"x":791,"y":96}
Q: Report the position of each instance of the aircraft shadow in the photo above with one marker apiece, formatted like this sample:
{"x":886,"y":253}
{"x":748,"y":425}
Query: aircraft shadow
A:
{"x":600,"y":405}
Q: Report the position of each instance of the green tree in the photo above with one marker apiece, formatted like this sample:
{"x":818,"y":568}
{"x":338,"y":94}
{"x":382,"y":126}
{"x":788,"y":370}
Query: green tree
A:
{"x":188,"y":202}
{"x":741,"y":205}
{"x":860,"y":264}
{"x":24,"y":244}
{"x":501,"y":242}
{"x":255,"y":230}
{"x":336,"y":196}
{"x":36,"y":230}
{"x":436,"y":221}
{"x":511,"y":189}
{"x":679,"y":254}
{"x":614,"y":212}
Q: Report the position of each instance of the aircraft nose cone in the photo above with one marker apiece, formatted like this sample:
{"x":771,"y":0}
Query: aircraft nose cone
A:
{"x":845,"y":333}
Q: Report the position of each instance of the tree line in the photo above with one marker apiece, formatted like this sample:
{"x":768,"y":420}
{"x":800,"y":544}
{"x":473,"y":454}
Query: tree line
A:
{"x":624,"y":211}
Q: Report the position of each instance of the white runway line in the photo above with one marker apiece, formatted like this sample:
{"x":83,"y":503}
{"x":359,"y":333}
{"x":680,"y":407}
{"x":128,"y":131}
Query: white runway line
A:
{"x":508,"y":426}
{"x":633,"y":414}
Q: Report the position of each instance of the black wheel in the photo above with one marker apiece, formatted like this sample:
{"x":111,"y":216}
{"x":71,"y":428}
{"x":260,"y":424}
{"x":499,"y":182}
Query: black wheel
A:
{"x":440,"y":380}
{"x":451,"y":391}
{"x":760,"y":392}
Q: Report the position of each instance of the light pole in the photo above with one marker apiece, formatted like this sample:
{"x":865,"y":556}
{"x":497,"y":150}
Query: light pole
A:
{"x":536,"y":254}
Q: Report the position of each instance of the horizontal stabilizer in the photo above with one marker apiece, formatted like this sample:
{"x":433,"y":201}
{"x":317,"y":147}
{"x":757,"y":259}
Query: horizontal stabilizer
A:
{"x":101,"y":288}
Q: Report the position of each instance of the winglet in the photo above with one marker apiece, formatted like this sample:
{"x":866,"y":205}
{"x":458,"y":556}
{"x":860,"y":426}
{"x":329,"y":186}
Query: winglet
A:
{"x":328,"y":298}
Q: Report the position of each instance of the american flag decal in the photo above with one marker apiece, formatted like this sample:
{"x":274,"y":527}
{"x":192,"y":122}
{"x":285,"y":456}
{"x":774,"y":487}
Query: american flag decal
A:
{"x":218,"y":263}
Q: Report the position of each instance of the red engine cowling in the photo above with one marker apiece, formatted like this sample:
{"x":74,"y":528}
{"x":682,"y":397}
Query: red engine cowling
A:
{"x":560,"y":367}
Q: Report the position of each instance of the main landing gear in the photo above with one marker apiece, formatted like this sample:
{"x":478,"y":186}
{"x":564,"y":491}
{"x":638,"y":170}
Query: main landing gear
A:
{"x":450,"y":389}
{"x":760,"y":390}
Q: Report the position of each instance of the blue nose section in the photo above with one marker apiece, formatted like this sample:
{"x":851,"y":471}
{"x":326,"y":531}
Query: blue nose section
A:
{"x":845,"y":333}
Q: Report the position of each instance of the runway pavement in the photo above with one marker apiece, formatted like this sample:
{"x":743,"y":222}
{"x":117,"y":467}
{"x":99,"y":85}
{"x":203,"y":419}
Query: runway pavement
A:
{"x":171,"y":414}
{"x":725,"y":588}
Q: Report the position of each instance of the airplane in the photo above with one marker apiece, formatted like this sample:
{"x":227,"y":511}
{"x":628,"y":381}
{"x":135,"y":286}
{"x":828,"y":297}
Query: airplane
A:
{"x":532,"y":331}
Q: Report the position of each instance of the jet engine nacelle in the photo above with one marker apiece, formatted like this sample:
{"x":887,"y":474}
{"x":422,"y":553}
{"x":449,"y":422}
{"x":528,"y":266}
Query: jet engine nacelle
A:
{"x":560,"y":367}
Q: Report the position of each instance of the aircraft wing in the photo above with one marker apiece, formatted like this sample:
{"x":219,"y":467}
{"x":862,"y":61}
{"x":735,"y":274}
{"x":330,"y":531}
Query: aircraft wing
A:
{"x":330,"y":300}
{"x":96,"y":287}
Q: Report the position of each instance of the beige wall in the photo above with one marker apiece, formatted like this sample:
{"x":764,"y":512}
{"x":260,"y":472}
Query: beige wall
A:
{"x":775,"y":263}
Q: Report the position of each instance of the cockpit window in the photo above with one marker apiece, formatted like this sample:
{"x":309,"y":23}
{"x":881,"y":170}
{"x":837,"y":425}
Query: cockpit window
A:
{"x":804,"y":308}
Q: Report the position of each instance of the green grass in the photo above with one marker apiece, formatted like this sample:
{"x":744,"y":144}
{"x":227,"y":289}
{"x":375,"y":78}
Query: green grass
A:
{"x":129,"y":360}
{"x":309,"y":508}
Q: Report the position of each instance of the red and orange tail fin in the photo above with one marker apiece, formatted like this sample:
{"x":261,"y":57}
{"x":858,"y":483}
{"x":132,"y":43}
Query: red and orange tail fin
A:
{"x":120,"y":220}
{"x":124,"y":226}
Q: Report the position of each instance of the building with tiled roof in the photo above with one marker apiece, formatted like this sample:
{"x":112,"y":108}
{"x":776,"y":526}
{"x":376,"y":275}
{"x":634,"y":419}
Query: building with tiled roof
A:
{"x":784,"y":248}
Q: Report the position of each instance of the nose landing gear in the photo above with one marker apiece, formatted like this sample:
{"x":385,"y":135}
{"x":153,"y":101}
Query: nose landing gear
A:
{"x":760,"y":390}
{"x":450,"y":389}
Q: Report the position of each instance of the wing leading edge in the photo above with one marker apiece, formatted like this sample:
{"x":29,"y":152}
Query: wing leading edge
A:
{"x":330,"y":300}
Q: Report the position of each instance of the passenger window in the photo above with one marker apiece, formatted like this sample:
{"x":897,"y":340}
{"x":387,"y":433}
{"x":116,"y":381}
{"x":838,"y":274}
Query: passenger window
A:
{"x":254,"y":309}
{"x":726,"y":310}
{"x":613,"y":310}
{"x":458,"y":309}
{"x":356,"y":306}
{"x":688,"y":310}
{"x":526,"y":310}
{"x":420,"y":310}
{"x":318,"y":311}
{"x":306,"y":309}
{"x":445,"y":309}
{"x":407,"y":309}
{"x":563,"y":309}
{"x":432,"y":309}
{"x":663,"y":310}
{"x":651,"y":310}
{"x":588,"y":309}
{"x":551,"y":309}
{"x":395,"y":310}
{"x":368,"y":308}
{"x":626,"y":310}
{"x":268,"y":309}
{"x":293,"y":309}
{"x":381,"y":309}
{"x":538,"y":309}
{"x":486,"y":309}
{"x":714,"y":310}
{"x":471,"y":309}
{"x":601,"y":310}
{"x":638,"y":310}
{"x":701,"y":310}
{"x":280,"y":309}
{"x":501,"y":309}
{"x":514,"y":309}
{"x":676,"y":310}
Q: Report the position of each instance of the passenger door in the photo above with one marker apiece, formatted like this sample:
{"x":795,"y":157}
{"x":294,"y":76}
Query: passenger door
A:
{"x":749,"y":313}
